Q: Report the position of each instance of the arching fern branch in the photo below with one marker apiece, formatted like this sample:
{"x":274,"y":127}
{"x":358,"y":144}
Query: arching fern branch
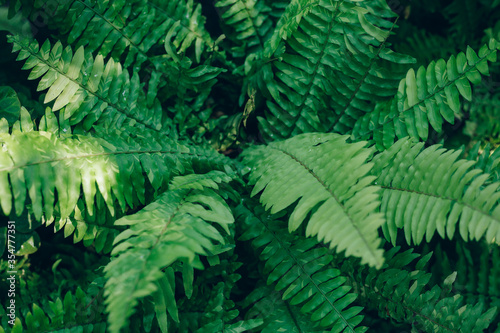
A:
{"x":427,"y":97}
{"x":87,"y":89}
{"x":424,"y":190}
{"x":301,"y":271}
{"x":112,"y":164}
{"x":174,"y":227}
{"x":333,"y":67}
{"x":317,"y":169}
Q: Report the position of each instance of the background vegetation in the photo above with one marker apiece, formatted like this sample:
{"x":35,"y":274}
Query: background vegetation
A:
{"x":250,"y":165}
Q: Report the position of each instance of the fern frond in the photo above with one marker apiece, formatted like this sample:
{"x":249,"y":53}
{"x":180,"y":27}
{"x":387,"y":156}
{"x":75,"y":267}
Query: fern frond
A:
{"x":403,"y":293}
{"x":278,"y":7}
{"x":174,"y":227}
{"x":429,"y":190}
{"x":186,"y":88}
{"x":87,"y":89}
{"x":333,"y":68}
{"x":317,"y":169}
{"x":428,"y":96}
{"x":477,"y":268}
{"x":103,"y":164}
{"x":301,"y":271}
{"x":208,"y":306}
{"x":487,"y":160}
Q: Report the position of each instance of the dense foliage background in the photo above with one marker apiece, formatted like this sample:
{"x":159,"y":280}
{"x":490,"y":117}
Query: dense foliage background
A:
{"x":250,"y":165}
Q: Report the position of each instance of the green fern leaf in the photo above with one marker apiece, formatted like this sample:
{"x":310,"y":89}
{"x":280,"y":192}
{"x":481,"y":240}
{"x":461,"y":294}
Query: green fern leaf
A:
{"x":173,"y":227}
{"x":424,"y":190}
{"x":128,"y":29}
{"x":330,"y":68}
{"x":72,"y":309}
{"x":96,"y":164}
{"x":427,"y":96}
{"x":249,"y":19}
{"x":302,"y":272}
{"x":85,"y":87}
{"x":316,"y":168}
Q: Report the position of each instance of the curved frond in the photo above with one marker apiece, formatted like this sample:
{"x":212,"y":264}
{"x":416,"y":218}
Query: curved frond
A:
{"x":176,"y":226}
{"x":331,"y":68}
{"x":317,"y":169}
{"x":428,"y":96}
{"x":429,"y":190}
{"x":104,"y":164}
{"x":85,"y":87}
{"x":303,"y":274}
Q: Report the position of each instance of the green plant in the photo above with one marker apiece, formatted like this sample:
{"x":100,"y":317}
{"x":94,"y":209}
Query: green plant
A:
{"x":250,"y":165}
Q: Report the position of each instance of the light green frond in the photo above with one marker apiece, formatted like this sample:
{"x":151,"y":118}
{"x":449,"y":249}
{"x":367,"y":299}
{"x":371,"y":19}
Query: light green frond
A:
{"x":103,"y":165}
{"x":176,"y":226}
{"x":317,"y":169}
{"x":303,"y":274}
{"x":87,"y":88}
{"x":429,"y":190}
{"x":428,"y":96}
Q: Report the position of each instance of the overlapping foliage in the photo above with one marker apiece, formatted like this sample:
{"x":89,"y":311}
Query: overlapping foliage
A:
{"x":360,"y":191}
